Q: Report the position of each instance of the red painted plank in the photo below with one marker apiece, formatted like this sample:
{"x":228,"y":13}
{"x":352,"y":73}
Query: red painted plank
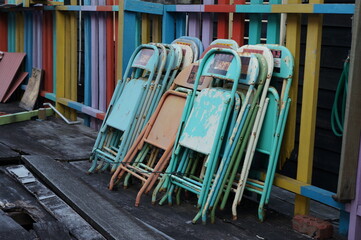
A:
{"x":105,"y":8}
{"x":3,"y":31}
{"x":238,"y":25}
{"x":100,"y":116}
{"x":48,"y":50}
{"x":222,"y":28}
{"x":9,"y":65}
{"x":220,"y":8}
{"x":110,"y":55}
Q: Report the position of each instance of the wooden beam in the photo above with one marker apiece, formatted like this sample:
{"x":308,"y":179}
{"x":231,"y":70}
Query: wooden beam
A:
{"x":22,"y":116}
{"x":309,"y":106}
{"x":352,"y":129}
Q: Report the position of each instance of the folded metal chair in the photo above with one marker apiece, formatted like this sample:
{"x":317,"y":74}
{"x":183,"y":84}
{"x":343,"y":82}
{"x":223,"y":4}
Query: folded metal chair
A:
{"x":270,"y":138}
{"x":253,"y":75}
{"x":221,"y":43}
{"x":158,"y":136}
{"x":206,"y":125}
{"x":119,"y":119}
{"x":190,"y":43}
{"x":198,"y":42}
{"x":253,"y":120}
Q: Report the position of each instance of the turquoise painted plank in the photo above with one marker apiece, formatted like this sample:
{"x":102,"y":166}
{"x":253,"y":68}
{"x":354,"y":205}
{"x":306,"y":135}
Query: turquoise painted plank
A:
{"x":334,"y":8}
{"x":115,"y":8}
{"x":11,"y":32}
{"x":254,"y":8}
{"x":180,"y":25}
{"x":130,"y":34}
{"x":321,"y":195}
{"x":74,"y":8}
{"x":50,"y":96}
{"x":143,"y":7}
{"x":75,"y":105}
{"x":255,"y":25}
{"x":273,"y":26}
{"x":168,"y":31}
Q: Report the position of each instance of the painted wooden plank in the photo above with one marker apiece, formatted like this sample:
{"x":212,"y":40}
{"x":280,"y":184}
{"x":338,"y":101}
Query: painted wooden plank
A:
{"x":255,"y":25}
{"x":273,"y":25}
{"x":223,"y":22}
{"x":292,"y":8}
{"x":189,"y":8}
{"x":207,"y":25}
{"x":22,"y":116}
{"x":11,"y":32}
{"x":31,"y":93}
{"x":143,"y":7}
{"x":220,"y":8}
{"x":334,"y":8}
{"x":102,"y":60}
{"x":75,"y":105}
{"x":91,"y":111}
{"x":194,"y":25}
{"x":156,"y":30}
{"x":47,"y":38}
{"x":130,"y":34}
{"x":309,"y":106}
{"x":352,"y":127}
{"x":110,"y":67}
{"x":145,"y":35}
{"x":87,"y":58}
{"x":94,"y":60}
{"x":180,"y":25}
{"x":168,"y":30}
{"x":238,"y":25}
{"x":254,"y":8}
{"x":60,"y":58}
{"x":67,"y":61}
{"x":73,"y":61}
{"x":54,"y":53}
{"x":4,"y":32}
{"x":293,"y":43}
{"x":19,"y":41}
{"x":321,"y":195}
{"x":120,"y":43}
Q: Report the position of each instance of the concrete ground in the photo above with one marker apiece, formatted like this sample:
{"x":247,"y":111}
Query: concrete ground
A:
{"x":70,"y":146}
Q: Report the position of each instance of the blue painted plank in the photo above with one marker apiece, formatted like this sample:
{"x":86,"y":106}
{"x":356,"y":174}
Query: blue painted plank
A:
{"x":273,"y":26}
{"x":50,"y":96}
{"x":75,"y":105}
{"x":321,"y":195}
{"x":143,"y":7}
{"x":180,"y":25}
{"x":254,"y":8}
{"x":334,"y":8}
{"x":130,"y":34}
{"x":168,"y":31}
{"x":255,"y":25}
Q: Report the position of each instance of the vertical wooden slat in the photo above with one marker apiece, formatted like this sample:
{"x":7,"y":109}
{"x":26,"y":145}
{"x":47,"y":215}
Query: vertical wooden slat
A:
{"x":87,"y":60}
{"x":293,"y":43}
{"x":48,"y":51}
{"x":223,"y":22}
{"x":352,"y":128}
{"x":11,"y":32}
{"x":273,"y":25}
{"x":157,"y":29}
{"x":120,"y":44}
{"x":110,"y":55}
{"x":60,"y":57}
{"x":168,"y":27}
{"x":238,"y":25}
{"x":194,"y":28}
{"x":180,"y":25}
{"x":3,"y":32}
{"x":255,"y":25}
{"x":309,"y":106}
{"x":73,"y":62}
{"x":67,"y":61}
{"x":102,"y":60}
{"x":130,"y":34}
{"x":145,"y":28}
{"x":207,"y":26}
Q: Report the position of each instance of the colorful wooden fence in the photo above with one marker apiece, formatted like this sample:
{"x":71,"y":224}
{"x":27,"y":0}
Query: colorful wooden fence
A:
{"x":111,"y":30}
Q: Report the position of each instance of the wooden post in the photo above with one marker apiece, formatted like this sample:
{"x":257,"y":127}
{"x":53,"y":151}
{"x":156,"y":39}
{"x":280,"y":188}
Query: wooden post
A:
{"x":255,"y":25}
{"x":293,"y":43}
{"x":352,"y":128}
{"x":60,"y":58}
{"x":309,"y":106}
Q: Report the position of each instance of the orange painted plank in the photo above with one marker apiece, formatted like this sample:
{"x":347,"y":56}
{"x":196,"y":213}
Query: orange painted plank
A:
{"x":223,"y":19}
{"x":238,"y":25}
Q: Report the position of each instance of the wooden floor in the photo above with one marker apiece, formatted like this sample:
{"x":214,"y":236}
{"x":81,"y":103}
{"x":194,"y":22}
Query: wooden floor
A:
{"x":66,"y":149}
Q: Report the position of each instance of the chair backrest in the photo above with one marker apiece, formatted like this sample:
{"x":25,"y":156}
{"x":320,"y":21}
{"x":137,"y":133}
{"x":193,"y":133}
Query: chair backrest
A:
{"x":191,"y":44}
{"x":226,"y":43}
{"x":197,"y":41}
{"x":187,"y":77}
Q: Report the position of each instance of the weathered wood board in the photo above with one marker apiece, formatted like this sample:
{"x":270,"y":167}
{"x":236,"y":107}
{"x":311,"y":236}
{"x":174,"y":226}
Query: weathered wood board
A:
{"x":32,"y":90}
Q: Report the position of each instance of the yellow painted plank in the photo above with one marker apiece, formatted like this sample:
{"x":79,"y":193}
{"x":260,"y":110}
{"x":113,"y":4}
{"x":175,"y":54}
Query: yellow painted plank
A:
{"x":309,"y":106}
{"x":60,"y":58}
{"x":19,"y":32}
{"x":292,"y":8}
{"x":74,"y":62}
{"x":157,"y":29}
{"x":145,"y":28}
{"x":120,"y":40}
{"x":67,"y":67}
{"x":286,"y":183}
{"x":293,"y":42}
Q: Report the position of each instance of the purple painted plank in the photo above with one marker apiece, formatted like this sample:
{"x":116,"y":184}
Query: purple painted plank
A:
{"x":102,"y":60}
{"x":190,"y":8}
{"x":354,"y":231}
{"x":35,"y":41}
{"x":95,"y":58}
{"x":194,"y":26}
{"x":207,"y":26}
{"x":91,"y":111}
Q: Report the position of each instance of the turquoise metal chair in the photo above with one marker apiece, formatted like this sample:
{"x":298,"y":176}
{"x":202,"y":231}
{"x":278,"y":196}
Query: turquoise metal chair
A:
{"x":206,"y":125}
{"x":118,"y":121}
{"x":271,"y":135}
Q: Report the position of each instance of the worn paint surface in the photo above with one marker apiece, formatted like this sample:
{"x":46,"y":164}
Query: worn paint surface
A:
{"x":200,"y":130}
{"x":250,"y":69}
{"x":122,"y":114}
{"x":226,"y":42}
